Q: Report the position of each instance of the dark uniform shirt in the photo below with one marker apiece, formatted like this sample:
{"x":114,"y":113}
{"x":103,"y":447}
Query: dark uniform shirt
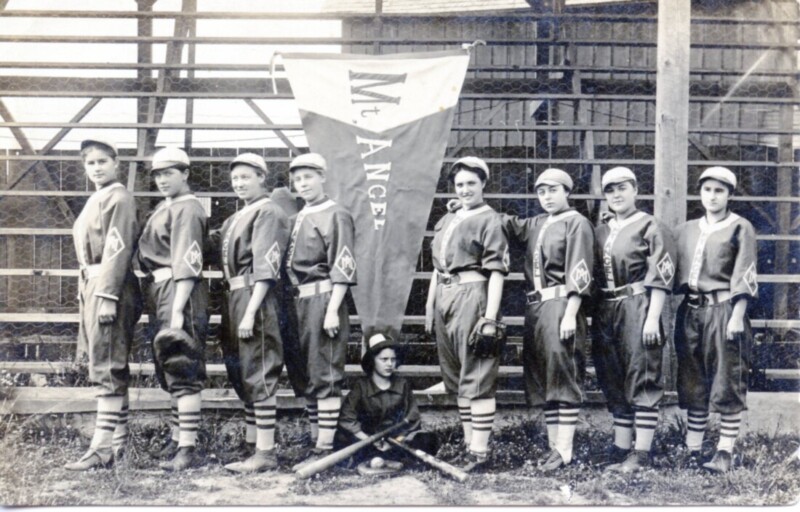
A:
{"x":470,"y":240}
{"x":370,"y":409}
{"x":720,"y":256}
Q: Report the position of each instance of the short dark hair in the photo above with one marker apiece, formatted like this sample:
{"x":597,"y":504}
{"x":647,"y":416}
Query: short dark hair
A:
{"x":477,"y":170}
{"x":98,"y":146}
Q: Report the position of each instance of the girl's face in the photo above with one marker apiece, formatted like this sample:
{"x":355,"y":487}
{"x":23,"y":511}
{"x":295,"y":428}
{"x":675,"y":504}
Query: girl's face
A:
{"x":386,"y":362}
{"x":621,"y":197}
{"x":171,"y":182}
{"x":247,"y":183}
{"x":714,"y":195}
{"x":553,"y":198}
{"x":469,"y":188}
{"x":100,"y":167}
{"x":309,"y":184}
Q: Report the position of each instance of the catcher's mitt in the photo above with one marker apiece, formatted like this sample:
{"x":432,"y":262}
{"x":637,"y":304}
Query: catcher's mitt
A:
{"x":485,"y":345}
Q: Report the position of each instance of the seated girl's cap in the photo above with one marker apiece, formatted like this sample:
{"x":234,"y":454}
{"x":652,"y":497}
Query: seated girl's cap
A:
{"x":719,"y":173}
{"x":309,"y":161}
{"x":471,"y":162}
{"x":375,"y":344}
{"x":617,"y":175}
{"x":168,"y":157}
{"x":554,"y":176}
{"x":105,"y":142}
{"x":251,"y":159}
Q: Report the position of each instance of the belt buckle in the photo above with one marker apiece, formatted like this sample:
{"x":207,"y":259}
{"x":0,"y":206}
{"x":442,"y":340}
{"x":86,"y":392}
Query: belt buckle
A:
{"x":695,"y":300}
{"x":534,"y":297}
{"x":447,"y":279}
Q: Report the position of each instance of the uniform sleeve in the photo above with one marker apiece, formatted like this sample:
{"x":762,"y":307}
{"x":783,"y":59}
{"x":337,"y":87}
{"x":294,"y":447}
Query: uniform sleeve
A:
{"x":211,"y":249}
{"x":270,"y":240}
{"x":660,"y":258}
{"x":121,"y":231}
{"x":187,"y":234}
{"x":516,"y":227}
{"x":411,"y":408}
{"x":579,"y":257}
{"x":744,"y":278}
{"x":341,"y":251}
{"x":495,"y":247}
{"x":348,"y":415}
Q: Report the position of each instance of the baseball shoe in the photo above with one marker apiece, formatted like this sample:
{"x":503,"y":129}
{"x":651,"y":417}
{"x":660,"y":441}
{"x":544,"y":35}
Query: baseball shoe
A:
{"x":470,"y":461}
{"x":261,"y":460}
{"x":90,"y":460}
{"x":169,"y":449}
{"x":553,"y":462}
{"x":186,"y":458}
{"x":636,"y":460}
{"x":720,"y":462}
{"x":316,"y":454}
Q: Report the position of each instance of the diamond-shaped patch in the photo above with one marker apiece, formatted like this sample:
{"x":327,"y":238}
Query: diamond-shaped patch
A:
{"x":346,"y":263}
{"x":273,"y":258}
{"x":114,"y":245}
{"x":580,"y":276}
{"x":751,"y":279}
{"x":666,"y":269}
{"x":194,"y":258}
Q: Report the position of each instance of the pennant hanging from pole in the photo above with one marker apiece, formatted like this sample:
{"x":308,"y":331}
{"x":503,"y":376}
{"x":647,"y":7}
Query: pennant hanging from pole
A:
{"x":382,"y":123}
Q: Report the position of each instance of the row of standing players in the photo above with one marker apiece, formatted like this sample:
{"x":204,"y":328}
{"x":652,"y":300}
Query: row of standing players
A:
{"x":714,"y":265}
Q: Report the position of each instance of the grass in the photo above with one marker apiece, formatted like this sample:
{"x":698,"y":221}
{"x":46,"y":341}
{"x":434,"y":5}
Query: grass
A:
{"x":33,"y":449}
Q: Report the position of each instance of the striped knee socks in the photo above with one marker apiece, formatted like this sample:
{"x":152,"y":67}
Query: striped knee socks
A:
{"x":265,"y":423}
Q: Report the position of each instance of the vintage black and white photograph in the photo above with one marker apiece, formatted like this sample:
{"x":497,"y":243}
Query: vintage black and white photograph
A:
{"x":401,"y":253}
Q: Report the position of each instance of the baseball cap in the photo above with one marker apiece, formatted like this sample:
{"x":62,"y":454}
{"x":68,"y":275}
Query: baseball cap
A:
{"x":617,"y":175}
{"x":554,"y":176}
{"x":471,"y":162}
{"x":169,"y":156}
{"x":105,"y":142}
{"x":309,"y":160}
{"x":719,"y":173}
{"x":376,"y":343}
{"x":253,"y":160}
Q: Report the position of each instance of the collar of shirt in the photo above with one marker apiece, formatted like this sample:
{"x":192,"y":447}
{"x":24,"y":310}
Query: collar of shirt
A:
{"x":373,"y":390}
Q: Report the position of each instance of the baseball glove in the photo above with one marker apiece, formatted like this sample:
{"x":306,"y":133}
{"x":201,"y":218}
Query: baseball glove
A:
{"x":483,"y":343}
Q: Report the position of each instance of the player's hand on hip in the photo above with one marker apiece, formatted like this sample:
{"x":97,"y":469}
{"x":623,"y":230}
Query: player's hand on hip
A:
{"x":106,"y":311}
{"x":331,"y":323}
{"x":651,"y":334}
{"x":176,"y":322}
{"x":567,"y":328}
{"x":735,"y":328}
{"x":246,"y":327}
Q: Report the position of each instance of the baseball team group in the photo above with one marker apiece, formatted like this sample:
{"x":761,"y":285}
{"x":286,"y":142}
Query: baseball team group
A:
{"x":286,"y":275}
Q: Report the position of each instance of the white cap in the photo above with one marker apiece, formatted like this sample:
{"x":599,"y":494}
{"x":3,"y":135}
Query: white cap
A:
{"x":168,"y":157}
{"x":617,"y":175}
{"x":105,"y":142}
{"x":253,"y":160}
{"x":471,"y":162}
{"x":309,"y":160}
{"x":554,"y":176}
{"x":719,"y":173}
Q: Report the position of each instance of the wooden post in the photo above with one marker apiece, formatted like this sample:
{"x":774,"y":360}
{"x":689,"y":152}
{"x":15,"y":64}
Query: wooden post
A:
{"x":672,"y":134}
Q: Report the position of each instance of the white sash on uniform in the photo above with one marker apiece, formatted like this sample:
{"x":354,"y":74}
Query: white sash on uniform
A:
{"x":80,"y":222}
{"x":608,"y":259}
{"x":460,"y":216}
{"x":227,"y":239}
{"x":295,"y":230}
{"x":538,"y":281}
{"x":706,"y":230}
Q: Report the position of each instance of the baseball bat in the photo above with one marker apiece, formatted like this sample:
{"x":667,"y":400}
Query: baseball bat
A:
{"x":430,"y":460}
{"x":324,"y":463}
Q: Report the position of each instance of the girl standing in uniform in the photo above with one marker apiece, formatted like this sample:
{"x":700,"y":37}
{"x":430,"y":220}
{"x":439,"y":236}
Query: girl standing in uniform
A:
{"x":171,"y":256}
{"x":109,"y":298}
{"x":252,"y":245}
{"x":558,"y":272}
{"x":634,"y":269}
{"x":471,"y":260}
{"x":716,"y":270}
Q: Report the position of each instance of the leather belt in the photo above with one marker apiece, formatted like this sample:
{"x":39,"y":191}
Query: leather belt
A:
{"x":545,"y":294}
{"x":467,"y":276}
{"x":161,"y":274}
{"x":315,"y":288}
{"x":623,"y":292}
{"x":701,"y":299}
{"x":91,"y":271}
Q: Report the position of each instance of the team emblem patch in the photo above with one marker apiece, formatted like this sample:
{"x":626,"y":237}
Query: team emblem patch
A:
{"x":580,"y":276}
{"x":194,"y":258}
{"x":273,"y":258}
{"x":346,"y":263}
{"x":666,"y":269}
{"x":751,"y":279}
{"x":114,"y":244}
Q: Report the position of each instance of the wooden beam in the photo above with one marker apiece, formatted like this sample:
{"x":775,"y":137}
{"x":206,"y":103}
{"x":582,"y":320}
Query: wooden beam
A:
{"x":264,"y":117}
